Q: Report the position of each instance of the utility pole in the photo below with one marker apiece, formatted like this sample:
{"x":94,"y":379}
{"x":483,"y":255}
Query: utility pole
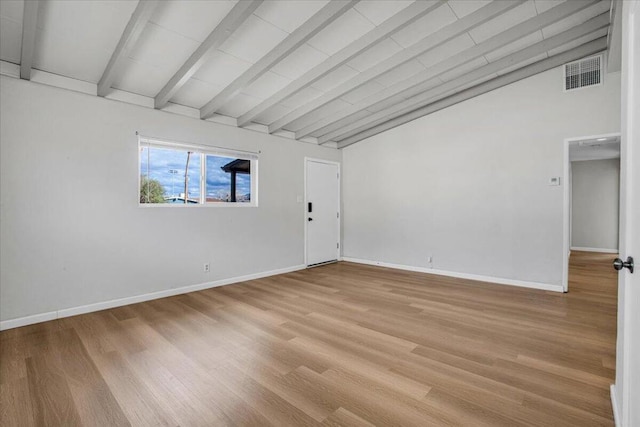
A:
{"x":186,"y":179}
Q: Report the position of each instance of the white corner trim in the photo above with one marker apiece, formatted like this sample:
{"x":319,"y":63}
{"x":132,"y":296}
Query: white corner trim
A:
{"x":603,"y":250}
{"x":73,"y":311}
{"x":129,"y":98}
{"x":478,"y":277}
{"x":616,"y":409}
{"x":194,"y":113}
{"x":46,"y":78}
{"x":56,"y":80}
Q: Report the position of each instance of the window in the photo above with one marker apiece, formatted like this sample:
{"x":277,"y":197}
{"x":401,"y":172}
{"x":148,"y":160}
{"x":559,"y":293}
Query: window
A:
{"x":180,"y":174}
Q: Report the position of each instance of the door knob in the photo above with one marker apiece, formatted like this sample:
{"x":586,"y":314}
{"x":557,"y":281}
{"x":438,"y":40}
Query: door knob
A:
{"x":309,"y":219}
{"x":618,"y":264}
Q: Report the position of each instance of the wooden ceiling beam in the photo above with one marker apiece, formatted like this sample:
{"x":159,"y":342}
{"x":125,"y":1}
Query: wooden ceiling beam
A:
{"x":389,"y":27}
{"x":428,"y":43}
{"x":593,"y":26}
{"x":236,"y":17}
{"x":416,"y":84}
{"x":328,"y":14}
{"x":130,"y":36}
{"x":586,"y":49}
{"x":29,"y":30}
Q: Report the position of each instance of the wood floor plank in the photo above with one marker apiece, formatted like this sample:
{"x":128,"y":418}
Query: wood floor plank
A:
{"x":289,"y":386}
{"x":367,"y":403}
{"x":15,"y":403}
{"x":337,"y":345}
{"x":127,"y":387}
{"x":176,"y":386}
{"x":469,"y":413}
{"x":92,"y":396}
{"x":342,"y":418}
{"x":278,"y":410}
{"x":359,"y":364}
{"x":51,"y":399}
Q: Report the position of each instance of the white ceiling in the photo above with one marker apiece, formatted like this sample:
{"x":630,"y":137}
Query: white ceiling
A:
{"x":376,"y":56}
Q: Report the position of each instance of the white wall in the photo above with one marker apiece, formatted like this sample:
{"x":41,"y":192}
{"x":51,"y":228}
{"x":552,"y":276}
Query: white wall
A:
{"x":468,"y":184}
{"x":595,"y":204}
{"x":72,"y":232}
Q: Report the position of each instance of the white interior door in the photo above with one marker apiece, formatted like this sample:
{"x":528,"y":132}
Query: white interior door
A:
{"x":322,"y":211}
{"x":626,"y":393}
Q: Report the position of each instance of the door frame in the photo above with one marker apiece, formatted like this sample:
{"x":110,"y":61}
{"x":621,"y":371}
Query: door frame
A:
{"x":566,"y":203}
{"x":627,"y":380}
{"x":305,"y":213}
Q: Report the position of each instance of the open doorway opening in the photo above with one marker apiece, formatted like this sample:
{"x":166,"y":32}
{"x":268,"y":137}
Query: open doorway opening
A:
{"x":592,"y":207}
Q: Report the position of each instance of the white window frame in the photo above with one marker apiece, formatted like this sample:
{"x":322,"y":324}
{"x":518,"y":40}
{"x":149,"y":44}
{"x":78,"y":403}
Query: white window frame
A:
{"x":203,"y":150}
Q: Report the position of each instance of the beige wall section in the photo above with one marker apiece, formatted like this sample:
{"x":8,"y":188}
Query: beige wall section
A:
{"x":595,"y":204}
{"x":468,"y":185}
{"x":72,"y":231}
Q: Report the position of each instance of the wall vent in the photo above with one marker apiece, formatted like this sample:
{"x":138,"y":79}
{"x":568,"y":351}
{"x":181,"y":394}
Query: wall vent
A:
{"x":583,"y":73}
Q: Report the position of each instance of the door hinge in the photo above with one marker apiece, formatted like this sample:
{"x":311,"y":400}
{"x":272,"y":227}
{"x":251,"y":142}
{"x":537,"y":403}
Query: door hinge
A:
{"x":338,"y":245}
{"x":337,"y":214}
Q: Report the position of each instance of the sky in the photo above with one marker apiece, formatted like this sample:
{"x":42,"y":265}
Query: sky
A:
{"x":157,"y":162}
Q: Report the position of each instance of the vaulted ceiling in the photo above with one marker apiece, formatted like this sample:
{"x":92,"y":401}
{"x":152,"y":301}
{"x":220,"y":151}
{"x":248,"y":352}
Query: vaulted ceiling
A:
{"x":323,"y":71}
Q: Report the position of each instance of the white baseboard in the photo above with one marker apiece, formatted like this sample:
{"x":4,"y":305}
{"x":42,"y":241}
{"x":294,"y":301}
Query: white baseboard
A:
{"x":28,"y":320}
{"x":498,"y":280}
{"x":616,"y":410}
{"x":603,"y":250}
{"x":73,"y":311}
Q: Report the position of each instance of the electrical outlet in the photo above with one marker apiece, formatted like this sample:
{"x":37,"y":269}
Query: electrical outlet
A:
{"x":207,"y":267}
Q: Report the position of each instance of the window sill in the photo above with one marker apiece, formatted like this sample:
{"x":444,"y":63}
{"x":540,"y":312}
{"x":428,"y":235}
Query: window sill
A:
{"x":197,"y":205}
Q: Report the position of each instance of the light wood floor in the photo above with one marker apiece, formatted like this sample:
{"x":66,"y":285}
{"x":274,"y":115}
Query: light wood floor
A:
{"x":342,"y":344}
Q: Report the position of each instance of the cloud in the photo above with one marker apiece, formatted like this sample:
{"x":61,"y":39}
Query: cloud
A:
{"x":157,"y":163}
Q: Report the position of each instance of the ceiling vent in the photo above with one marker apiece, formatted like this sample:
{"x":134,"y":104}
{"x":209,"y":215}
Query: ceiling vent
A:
{"x":583,"y":73}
